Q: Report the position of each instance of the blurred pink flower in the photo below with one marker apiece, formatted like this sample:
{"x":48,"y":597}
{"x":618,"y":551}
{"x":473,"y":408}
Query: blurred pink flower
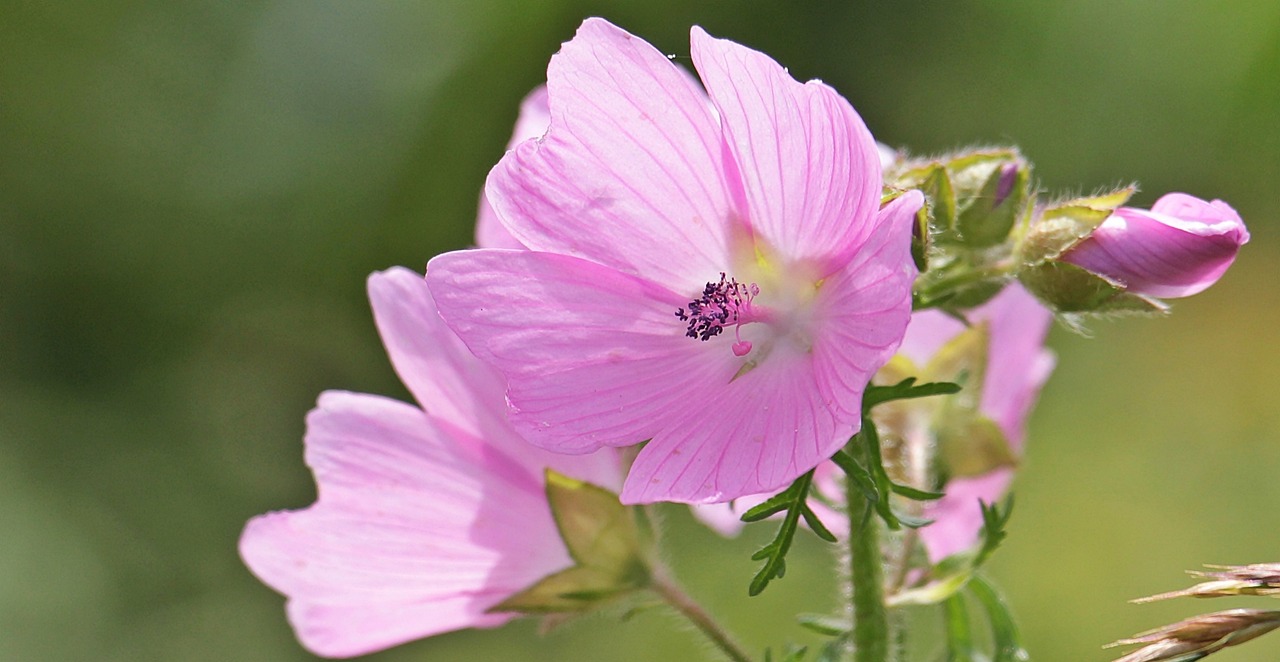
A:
{"x":714,"y":275}
{"x":423,"y":519}
{"x":1017,"y":366}
{"x":1179,"y":248}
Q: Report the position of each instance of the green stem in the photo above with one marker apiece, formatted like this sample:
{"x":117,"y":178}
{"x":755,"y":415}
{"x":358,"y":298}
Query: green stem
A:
{"x":673,"y":595}
{"x":866,"y":574}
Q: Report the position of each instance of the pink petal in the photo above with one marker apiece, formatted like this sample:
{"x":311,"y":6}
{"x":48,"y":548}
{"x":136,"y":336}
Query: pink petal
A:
{"x":864,"y":308}
{"x":958,"y":515}
{"x":629,"y":173}
{"x":810,"y":170}
{"x":754,"y":434}
{"x":1179,"y":248}
{"x":458,"y":390}
{"x":432,"y":362}
{"x":535,"y":117}
{"x":593,"y":357}
{"x":412,"y":534}
{"x":1018,"y":364}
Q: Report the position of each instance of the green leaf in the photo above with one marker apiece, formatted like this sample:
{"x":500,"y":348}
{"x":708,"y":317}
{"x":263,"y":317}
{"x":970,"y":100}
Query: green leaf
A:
{"x":861,"y":479}
{"x":953,"y":573}
{"x":959,"y":631}
{"x":1004,"y":632}
{"x":825,"y":624}
{"x":904,"y":390}
{"x":774,"y":554}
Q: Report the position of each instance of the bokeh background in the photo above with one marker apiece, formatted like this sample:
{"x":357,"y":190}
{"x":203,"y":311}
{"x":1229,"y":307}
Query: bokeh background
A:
{"x":193,"y":192}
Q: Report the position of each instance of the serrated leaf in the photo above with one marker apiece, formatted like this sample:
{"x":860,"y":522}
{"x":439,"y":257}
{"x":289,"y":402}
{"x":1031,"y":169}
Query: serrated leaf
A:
{"x":774,"y":554}
{"x":904,"y":390}
{"x":861,"y":479}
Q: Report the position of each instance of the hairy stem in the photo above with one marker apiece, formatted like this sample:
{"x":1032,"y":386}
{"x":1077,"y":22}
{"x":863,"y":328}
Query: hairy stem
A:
{"x":871,"y":635}
{"x":673,"y":595}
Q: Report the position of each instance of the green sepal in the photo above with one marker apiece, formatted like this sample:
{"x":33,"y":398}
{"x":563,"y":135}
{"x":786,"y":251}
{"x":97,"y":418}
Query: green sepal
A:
{"x":1062,"y":225}
{"x":987,"y":221}
{"x":941,"y":195}
{"x":572,"y":590}
{"x":597,"y":529}
{"x":605,"y":541}
{"x":1067,"y":288}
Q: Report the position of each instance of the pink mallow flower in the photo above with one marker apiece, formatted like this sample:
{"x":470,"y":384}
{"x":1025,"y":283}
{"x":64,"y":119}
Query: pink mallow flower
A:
{"x":1178,"y":248}
{"x":425,"y":518}
{"x":1017,"y":366}
{"x":710,"y":271}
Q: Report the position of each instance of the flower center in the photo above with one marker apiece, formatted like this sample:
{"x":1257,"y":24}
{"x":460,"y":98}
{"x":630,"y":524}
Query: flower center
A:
{"x":725,"y":303}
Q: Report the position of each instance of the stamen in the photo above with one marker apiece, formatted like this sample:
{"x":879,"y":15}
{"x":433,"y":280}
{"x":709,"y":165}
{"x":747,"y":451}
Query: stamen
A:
{"x":727,"y":302}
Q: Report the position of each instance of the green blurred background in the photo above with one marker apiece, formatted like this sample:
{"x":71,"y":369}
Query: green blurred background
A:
{"x":192,"y":193}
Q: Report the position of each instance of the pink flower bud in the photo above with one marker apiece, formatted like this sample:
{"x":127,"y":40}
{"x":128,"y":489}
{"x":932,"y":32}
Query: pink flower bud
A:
{"x":1178,"y":248}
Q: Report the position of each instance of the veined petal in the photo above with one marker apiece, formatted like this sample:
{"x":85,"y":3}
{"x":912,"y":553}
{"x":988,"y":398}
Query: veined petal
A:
{"x":535,"y":117}
{"x":628,"y":175}
{"x":593,"y":357}
{"x":751,"y":435}
{"x":437,"y":368}
{"x":412,"y":533}
{"x":863,"y":309}
{"x":461,"y":393}
{"x":810,"y":170}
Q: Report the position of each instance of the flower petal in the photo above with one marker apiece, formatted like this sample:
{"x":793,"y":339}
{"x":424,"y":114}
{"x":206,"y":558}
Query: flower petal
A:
{"x":457,"y":389}
{"x":810,"y":170}
{"x":753,"y":435}
{"x":433,"y":363}
{"x":864,"y":308}
{"x":628,"y":174}
{"x":958,"y":515}
{"x":535,"y":117}
{"x":593,"y":357}
{"x":413,"y":533}
{"x":1018,"y":364}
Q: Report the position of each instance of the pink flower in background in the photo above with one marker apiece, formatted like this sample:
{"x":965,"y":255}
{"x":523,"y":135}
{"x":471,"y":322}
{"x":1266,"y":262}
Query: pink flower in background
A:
{"x":423,"y":519}
{"x":1017,"y":366}
{"x":534,"y":118}
{"x":714,"y":275}
{"x":1179,"y":248}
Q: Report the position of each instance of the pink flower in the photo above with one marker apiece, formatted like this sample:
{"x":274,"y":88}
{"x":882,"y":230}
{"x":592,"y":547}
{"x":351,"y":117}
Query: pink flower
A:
{"x":424,"y":519}
{"x":1179,"y":248}
{"x":709,"y":271}
{"x":1017,"y":366}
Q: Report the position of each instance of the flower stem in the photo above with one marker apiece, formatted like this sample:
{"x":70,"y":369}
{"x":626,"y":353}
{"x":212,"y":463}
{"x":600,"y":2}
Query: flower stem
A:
{"x":673,"y":595}
{"x":871,"y":635}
